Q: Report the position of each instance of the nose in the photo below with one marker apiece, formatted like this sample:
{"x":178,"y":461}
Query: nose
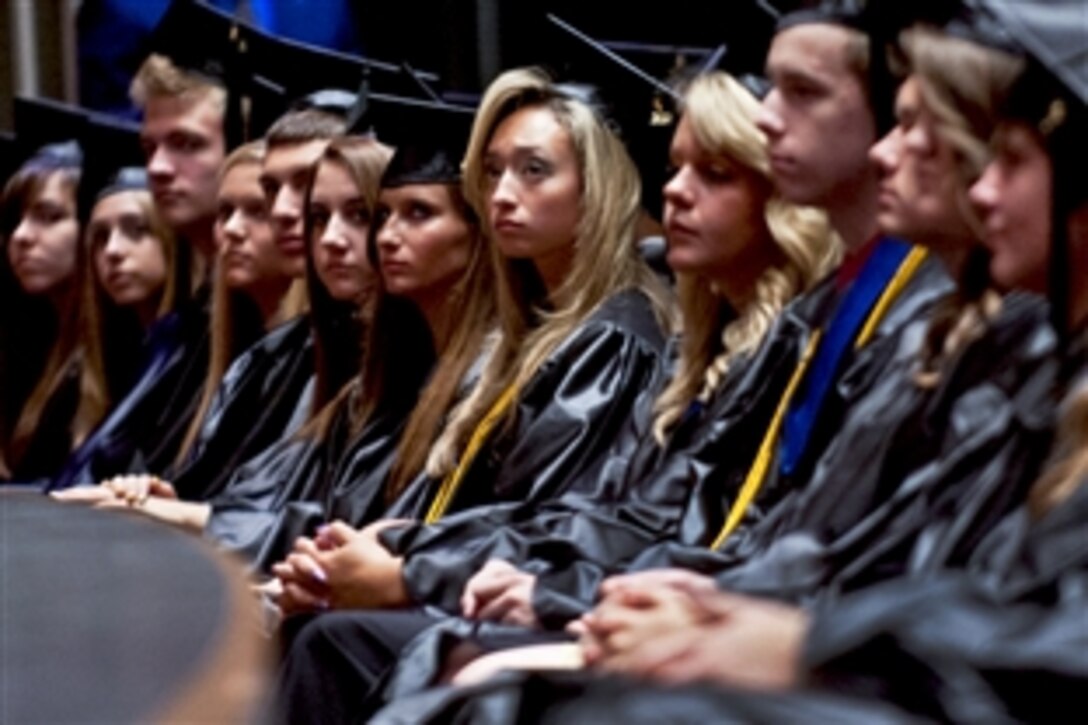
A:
{"x":234,"y":228}
{"x":677,"y":189}
{"x":885,"y":153}
{"x":769,"y":120}
{"x":115,"y":246}
{"x":332,"y":236}
{"x":160,"y":164}
{"x":502,"y":192}
{"x":24,"y":234}
{"x":984,"y":192}
{"x":388,"y":236}
{"x":286,"y":208}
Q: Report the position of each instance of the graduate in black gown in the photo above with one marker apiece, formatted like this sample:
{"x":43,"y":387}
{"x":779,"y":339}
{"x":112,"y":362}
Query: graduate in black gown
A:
{"x":136,"y":275}
{"x":40,"y":273}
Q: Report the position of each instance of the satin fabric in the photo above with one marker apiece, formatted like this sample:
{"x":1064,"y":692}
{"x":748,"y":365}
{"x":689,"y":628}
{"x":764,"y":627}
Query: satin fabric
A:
{"x":253,"y":406}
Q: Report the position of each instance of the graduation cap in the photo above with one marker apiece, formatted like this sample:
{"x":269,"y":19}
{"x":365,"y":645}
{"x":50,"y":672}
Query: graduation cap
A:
{"x":641,"y":107}
{"x":429,"y":137}
{"x":113,"y":159}
{"x":41,"y":122}
{"x":263,"y":73}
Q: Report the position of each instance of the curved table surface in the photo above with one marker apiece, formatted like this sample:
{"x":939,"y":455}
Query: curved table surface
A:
{"x":109,"y":617}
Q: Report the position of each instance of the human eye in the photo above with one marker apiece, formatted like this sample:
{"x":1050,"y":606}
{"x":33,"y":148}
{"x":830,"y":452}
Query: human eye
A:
{"x":256,"y":209}
{"x":357,"y":215}
{"x":98,"y":235}
{"x":381,"y":215}
{"x":418,"y":211}
{"x":135,"y":228}
{"x":535,"y":168}
{"x":319,"y":217}
{"x":186,"y":143}
{"x":717,"y":173}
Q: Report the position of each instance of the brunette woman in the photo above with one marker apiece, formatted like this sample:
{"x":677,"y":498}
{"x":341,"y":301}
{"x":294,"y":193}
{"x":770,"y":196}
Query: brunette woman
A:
{"x":136,"y":275}
{"x":39,"y":337}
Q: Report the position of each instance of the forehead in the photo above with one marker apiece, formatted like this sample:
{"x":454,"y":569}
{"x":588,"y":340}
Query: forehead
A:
{"x":53,"y":187}
{"x":242,"y":173}
{"x":197,"y":113}
{"x":819,"y":50}
{"x":332,"y":174}
{"x":438,"y":194}
{"x":122,"y":202}
{"x":530,"y":127}
{"x":289,"y":159}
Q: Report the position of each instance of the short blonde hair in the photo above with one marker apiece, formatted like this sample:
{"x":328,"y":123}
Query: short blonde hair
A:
{"x":159,"y":77}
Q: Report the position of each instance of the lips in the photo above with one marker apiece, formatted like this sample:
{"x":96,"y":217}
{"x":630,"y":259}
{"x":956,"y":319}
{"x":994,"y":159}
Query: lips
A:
{"x":507,"y":225}
{"x":292,"y":245}
{"x":678,"y":228}
{"x":781,"y":164}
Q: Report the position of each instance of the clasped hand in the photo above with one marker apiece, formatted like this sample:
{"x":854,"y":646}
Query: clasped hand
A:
{"x":341,"y":568}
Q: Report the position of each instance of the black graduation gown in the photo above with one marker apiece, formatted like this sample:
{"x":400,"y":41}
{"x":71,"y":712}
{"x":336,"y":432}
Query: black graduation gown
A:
{"x":253,"y":406}
{"x":145,"y":430}
{"x":303,"y":481}
{"x":51,"y":443}
{"x":1006,"y":641}
{"x":567,"y":584}
{"x":564,"y":421}
{"x":857,"y":520}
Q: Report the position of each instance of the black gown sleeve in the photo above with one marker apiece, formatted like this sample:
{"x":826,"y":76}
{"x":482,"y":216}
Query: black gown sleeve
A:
{"x":983,"y":646}
{"x":251,"y":410}
{"x":565,"y":425}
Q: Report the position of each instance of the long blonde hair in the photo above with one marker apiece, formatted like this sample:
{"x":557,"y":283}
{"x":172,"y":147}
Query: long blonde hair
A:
{"x":962,"y":84}
{"x":605,"y":258}
{"x":722,"y":116}
{"x":1070,"y":467}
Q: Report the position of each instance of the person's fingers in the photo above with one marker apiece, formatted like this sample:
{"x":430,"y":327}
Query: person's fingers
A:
{"x":295,"y":599}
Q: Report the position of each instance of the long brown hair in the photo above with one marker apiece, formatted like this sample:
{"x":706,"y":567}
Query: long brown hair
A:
{"x":470,"y":317}
{"x":234,"y":316}
{"x":40,"y":342}
{"x":112,"y":336}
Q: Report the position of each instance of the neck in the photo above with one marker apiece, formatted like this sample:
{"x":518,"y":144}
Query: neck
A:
{"x":201,"y":239}
{"x":1078,"y":304}
{"x":855,"y":219}
{"x":952,"y":252}
{"x":268,"y":295}
{"x":435,"y":310}
{"x":739,"y":285}
{"x":147,"y":312}
{"x":554,"y":268}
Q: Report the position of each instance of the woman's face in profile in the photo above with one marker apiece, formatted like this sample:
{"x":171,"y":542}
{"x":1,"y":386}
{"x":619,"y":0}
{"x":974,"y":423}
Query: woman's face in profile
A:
{"x":42,"y":247}
{"x":713,"y":210}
